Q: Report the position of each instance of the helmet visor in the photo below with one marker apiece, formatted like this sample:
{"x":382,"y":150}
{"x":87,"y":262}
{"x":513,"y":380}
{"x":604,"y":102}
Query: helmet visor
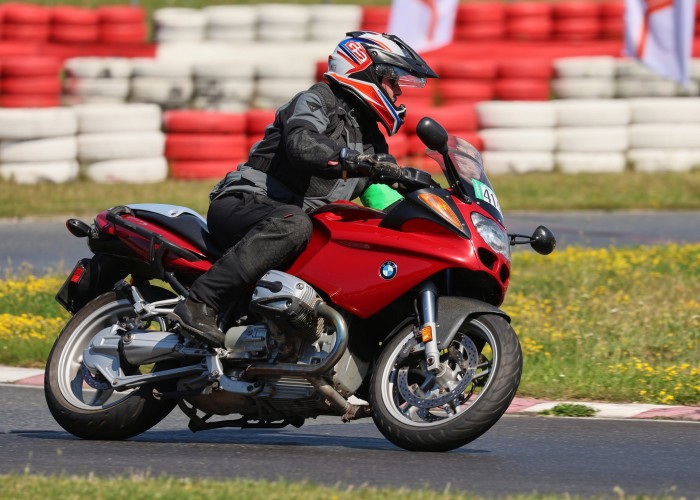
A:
{"x":400,"y":76}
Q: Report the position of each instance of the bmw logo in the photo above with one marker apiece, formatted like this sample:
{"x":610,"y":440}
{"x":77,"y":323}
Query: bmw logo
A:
{"x":388,"y":270}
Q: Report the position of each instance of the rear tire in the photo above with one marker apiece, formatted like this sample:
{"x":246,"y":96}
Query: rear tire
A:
{"x":96,"y":416}
{"x":488,"y":347}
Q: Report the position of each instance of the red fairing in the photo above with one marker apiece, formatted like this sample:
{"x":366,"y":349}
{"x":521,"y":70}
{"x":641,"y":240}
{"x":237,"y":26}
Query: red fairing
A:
{"x":346,"y":253}
{"x":141,"y":246}
{"x":347,"y":250}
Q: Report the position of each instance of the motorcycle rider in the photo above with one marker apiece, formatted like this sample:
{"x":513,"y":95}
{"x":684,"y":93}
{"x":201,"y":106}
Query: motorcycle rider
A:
{"x":324,"y":145}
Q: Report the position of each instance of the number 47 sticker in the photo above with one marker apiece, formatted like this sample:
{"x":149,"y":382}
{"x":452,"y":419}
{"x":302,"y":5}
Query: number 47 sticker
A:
{"x":485,"y":193}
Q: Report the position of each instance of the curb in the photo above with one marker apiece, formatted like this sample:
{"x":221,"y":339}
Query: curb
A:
{"x":520,"y":406}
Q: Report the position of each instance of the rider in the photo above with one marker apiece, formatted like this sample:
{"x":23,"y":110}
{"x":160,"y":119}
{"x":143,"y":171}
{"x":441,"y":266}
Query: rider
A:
{"x":324,"y":145}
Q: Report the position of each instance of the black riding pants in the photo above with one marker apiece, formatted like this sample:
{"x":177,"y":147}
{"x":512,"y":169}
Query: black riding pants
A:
{"x":259,"y":234}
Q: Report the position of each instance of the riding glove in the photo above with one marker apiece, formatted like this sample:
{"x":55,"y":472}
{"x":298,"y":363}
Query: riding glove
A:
{"x":378,"y":167}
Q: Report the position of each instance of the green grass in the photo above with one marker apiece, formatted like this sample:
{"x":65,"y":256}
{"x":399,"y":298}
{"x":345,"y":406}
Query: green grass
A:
{"x":594,"y":324}
{"x":570,"y":410}
{"x":550,"y":192}
{"x":30,"y":487}
{"x":609,"y":324}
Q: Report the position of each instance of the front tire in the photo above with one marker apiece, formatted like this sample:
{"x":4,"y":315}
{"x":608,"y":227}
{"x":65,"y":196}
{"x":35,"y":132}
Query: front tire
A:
{"x":99,"y":413}
{"x":419,"y":411}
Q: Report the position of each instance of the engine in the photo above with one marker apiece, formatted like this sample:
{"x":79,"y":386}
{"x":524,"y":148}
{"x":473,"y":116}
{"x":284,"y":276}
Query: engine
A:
{"x":290,"y":331}
{"x":288,"y":303}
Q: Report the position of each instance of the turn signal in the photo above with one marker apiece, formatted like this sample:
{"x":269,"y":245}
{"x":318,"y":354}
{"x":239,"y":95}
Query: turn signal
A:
{"x":427,"y":333}
{"x":441,"y":207}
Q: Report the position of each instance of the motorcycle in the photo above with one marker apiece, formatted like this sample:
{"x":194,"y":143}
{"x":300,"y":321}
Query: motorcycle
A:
{"x":392,"y":315}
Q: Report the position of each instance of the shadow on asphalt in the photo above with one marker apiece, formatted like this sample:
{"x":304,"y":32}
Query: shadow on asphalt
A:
{"x":237,"y":437}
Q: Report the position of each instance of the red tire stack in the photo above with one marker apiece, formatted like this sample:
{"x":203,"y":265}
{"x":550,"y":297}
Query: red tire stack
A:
{"x":480,"y":21}
{"x":30,"y":82}
{"x":523,"y":79}
{"x":413,"y":96}
{"x":73,"y":25}
{"x":529,"y":21}
{"x":612,"y":22}
{"x":398,"y":145}
{"x":375,"y":18}
{"x":466,"y":81}
{"x":257,"y":121}
{"x":458,"y":119}
{"x":122,"y":25}
{"x":576,"y":21}
{"x":204,"y":144}
{"x":26,"y":22}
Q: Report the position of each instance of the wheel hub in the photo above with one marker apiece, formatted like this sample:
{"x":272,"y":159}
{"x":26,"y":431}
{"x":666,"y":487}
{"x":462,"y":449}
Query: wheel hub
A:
{"x":465,"y":358}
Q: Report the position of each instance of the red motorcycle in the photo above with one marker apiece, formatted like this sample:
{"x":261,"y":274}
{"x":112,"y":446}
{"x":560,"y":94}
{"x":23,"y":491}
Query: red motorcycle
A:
{"x":398,"y":309}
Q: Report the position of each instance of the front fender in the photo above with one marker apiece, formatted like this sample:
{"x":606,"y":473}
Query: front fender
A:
{"x":453,"y":311}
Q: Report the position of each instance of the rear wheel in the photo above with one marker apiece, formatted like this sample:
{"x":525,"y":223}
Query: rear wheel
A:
{"x":84,"y":404}
{"x":421,"y":411}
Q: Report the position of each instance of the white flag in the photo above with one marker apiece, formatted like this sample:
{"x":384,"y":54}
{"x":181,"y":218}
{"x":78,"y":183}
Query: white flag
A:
{"x":659,"y":33}
{"x":423,"y":24}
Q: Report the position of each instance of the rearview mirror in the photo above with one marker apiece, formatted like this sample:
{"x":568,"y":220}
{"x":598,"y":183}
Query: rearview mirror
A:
{"x":432,"y":134}
{"x":543,"y":241}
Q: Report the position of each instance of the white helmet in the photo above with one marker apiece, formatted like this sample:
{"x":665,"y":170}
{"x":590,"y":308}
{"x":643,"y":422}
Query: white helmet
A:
{"x":363,"y":58}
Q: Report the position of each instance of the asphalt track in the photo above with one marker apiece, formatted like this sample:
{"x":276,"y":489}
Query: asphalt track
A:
{"x":588,"y":457}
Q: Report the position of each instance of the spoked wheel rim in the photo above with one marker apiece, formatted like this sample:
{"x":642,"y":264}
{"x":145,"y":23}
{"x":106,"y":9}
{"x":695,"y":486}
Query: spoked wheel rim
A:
{"x":77,"y":384}
{"x":416,"y":397}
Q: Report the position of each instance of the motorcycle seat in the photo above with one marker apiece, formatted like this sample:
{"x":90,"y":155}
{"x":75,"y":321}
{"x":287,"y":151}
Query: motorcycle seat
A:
{"x":191,"y":227}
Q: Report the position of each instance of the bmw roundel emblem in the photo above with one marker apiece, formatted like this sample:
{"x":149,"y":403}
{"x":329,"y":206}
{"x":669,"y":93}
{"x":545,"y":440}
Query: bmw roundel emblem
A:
{"x":388,"y":270}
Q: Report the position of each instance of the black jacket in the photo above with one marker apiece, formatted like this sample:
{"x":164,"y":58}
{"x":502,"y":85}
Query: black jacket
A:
{"x":290,"y":164}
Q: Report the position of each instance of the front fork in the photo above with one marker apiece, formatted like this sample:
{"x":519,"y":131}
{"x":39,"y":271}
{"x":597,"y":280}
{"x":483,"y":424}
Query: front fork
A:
{"x":428,"y":307}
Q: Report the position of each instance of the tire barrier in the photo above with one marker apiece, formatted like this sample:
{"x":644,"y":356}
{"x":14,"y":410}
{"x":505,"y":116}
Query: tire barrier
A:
{"x":206,"y":61}
{"x":131,"y":171}
{"x":38,"y":145}
{"x":96,"y":80}
{"x":204,"y":144}
{"x":591,"y":135}
{"x":121,"y":142}
{"x":104,"y":119}
{"x":26,"y":22}
{"x":231,"y":23}
{"x":30,"y":81}
{"x":223,"y":87}
{"x":178,"y":24}
{"x":74,"y":25}
{"x":122,"y":25}
{"x":331,"y":22}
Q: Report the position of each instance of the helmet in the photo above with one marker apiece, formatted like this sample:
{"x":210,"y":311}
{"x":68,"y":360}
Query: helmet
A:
{"x":363,"y":58}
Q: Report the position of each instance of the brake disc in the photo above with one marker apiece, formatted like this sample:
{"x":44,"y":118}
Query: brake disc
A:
{"x":89,"y":379}
{"x":468,"y":368}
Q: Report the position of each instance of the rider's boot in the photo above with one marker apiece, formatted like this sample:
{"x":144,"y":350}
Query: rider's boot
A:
{"x":200,"y":321}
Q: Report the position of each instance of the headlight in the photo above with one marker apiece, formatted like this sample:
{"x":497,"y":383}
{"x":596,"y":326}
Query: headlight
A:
{"x":492,"y":234}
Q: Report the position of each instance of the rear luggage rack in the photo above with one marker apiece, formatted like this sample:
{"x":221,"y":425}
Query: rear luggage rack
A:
{"x":158,"y":246}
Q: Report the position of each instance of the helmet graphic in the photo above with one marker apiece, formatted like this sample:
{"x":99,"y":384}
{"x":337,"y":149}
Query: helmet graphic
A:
{"x":360,"y":62}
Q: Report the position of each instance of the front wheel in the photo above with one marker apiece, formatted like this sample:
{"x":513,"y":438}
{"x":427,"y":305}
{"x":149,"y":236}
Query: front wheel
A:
{"x":423,"y":411}
{"x":84,"y":405}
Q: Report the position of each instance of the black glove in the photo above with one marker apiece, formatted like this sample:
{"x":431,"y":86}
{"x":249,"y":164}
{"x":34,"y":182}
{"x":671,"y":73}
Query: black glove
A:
{"x":378,"y":167}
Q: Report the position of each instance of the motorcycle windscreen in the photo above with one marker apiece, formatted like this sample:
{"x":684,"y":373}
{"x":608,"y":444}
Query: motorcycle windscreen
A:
{"x":467,"y":168}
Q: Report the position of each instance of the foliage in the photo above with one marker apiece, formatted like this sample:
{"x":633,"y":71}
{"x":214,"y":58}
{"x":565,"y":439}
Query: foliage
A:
{"x":570,"y":410}
{"x":617,"y":324}
{"x":137,"y":487}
